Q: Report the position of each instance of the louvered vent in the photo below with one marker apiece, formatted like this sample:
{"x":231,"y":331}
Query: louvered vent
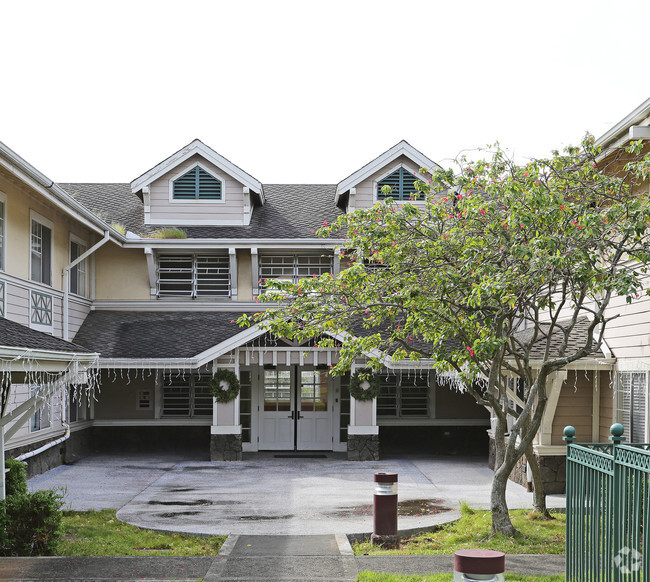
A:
{"x":197,"y":184}
{"x":402,"y":186}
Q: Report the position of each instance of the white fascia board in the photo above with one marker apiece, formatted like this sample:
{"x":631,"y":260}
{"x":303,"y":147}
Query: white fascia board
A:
{"x":402,"y":148}
{"x":230,"y":344}
{"x":296,"y":244}
{"x":164,"y":305}
{"x":632,"y":118}
{"x":583,"y":364}
{"x":18,"y":355}
{"x":46,"y":187}
{"x":197,"y":147}
{"x":148,"y":363}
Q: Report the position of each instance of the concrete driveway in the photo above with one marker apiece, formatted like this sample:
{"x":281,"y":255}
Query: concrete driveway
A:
{"x":268,"y":495}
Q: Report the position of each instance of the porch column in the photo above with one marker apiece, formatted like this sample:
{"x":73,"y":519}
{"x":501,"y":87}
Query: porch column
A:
{"x":363,"y":432}
{"x":225,"y":432}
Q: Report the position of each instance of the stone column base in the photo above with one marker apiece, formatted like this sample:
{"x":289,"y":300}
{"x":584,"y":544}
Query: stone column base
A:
{"x":363,"y":447}
{"x":225,"y":447}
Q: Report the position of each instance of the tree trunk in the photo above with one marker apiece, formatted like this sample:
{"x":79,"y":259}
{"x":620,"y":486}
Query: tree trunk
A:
{"x":501,"y":523}
{"x":539,"y":494}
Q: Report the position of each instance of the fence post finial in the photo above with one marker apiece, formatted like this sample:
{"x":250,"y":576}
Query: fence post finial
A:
{"x":617,"y":431}
{"x":569,"y":434}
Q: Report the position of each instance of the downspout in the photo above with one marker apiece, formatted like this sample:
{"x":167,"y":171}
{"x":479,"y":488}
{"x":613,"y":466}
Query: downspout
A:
{"x":66,"y":283}
{"x":47,"y":446}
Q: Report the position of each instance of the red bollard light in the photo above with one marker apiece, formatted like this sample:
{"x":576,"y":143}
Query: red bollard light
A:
{"x":385,"y":511}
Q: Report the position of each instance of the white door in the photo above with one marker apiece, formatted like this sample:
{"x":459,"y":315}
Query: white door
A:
{"x":277,"y":410}
{"x":314,"y":430}
{"x":295,"y":410}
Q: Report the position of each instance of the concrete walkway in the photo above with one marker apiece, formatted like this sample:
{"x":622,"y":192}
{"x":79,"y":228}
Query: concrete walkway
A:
{"x":257,"y":559}
{"x":266,"y":495}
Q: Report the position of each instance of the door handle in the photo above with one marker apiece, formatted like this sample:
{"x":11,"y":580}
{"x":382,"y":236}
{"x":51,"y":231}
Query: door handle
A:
{"x":299,"y":416}
{"x":291,"y":416}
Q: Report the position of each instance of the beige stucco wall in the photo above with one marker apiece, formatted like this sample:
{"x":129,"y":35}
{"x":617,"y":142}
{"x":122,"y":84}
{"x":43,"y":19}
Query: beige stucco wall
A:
{"x":244,"y":275}
{"x":121,"y":273}
{"x":20,"y":200}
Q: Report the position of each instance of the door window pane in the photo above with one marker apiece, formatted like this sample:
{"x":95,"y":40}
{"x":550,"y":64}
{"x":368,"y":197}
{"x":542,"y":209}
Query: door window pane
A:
{"x":277,"y":390}
{"x":313,"y":390}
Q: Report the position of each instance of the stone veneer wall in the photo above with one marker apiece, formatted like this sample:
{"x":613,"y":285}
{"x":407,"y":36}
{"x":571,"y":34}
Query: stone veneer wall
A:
{"x":553,"y":469}
{"x":78,"y":445}
{"x":363,"y":447}
{"x":225,"y":447}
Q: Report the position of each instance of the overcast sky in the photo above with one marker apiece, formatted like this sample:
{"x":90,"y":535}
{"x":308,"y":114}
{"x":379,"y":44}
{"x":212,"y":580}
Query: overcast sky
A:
{"x":310,"y":91}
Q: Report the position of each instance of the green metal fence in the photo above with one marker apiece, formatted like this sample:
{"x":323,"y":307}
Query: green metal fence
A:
{"x":608,"y":509}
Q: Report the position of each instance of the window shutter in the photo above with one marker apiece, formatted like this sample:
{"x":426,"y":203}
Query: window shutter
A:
{"x":197,"y":184}
{"x":402,"y":185}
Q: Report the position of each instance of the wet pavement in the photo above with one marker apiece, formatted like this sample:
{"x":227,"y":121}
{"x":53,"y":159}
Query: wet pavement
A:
{"x":267,"y":495}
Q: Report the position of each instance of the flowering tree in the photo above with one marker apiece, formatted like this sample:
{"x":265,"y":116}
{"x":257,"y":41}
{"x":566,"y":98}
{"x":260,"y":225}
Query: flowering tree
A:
{"x":489,"y":249}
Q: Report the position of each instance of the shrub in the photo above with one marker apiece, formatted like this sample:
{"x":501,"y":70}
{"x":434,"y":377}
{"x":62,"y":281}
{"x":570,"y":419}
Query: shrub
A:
{"x":30,"y":523}
{"x":16,"y":478}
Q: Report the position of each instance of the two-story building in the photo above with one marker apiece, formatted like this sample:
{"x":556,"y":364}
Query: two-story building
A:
{"x":170,"y":261}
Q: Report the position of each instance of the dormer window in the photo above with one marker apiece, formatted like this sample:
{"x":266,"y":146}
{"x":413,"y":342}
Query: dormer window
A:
{"x":197,"y":184}
{"x":402,"y":186}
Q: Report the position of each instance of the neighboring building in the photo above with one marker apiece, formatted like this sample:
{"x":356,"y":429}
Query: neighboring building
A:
{"x":159,"y":310}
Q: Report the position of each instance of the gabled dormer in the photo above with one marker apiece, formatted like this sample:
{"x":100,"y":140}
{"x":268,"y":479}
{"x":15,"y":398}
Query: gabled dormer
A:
{"x":197,"y":186}
{"x":397,"y":168}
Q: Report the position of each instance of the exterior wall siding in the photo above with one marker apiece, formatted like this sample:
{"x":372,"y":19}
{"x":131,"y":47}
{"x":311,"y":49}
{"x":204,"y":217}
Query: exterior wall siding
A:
{"x":232,"y":209}
{"x":365,"y":197}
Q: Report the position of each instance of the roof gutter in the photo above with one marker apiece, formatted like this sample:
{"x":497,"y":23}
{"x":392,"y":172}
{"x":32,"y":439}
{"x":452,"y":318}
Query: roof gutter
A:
{"x":57,"y":195}
{"x":640,"y":113}
{"x":66,"y":283}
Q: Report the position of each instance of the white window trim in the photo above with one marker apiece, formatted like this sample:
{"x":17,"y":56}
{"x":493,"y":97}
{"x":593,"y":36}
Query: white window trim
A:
{"x":36,"y":217}
{"x":3,"y":250}
{"x":77,"y":239}
{"x":617,"y":408}
{"x":172,"y":200}
{"x":375,"y":184}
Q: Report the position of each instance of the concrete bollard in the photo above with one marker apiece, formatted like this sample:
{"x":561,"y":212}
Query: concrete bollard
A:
{"x":485,"y":565}
{"x":384,"y":530}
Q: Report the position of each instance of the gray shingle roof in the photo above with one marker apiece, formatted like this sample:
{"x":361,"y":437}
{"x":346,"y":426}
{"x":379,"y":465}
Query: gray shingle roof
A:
{"x":14,"y":334}
{"x":577,"y":339}
{"x":155,"y":334}
{"x":290,"y":211}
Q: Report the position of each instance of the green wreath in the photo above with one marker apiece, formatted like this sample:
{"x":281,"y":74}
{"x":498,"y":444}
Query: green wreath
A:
{"x":365,"y":388}
{"x":232,"y":382}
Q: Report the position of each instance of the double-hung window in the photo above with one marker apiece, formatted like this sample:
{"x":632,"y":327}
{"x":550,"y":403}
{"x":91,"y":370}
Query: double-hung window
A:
{"x":41,"y":250}
{"x":78,"y":272}
{"x":631,"y":405}
{"x":41,"y":418}
{"x":194,"y":275}
{"x":187,"y":396}
{"x":293,"y":267}
{"x":403,"y":395}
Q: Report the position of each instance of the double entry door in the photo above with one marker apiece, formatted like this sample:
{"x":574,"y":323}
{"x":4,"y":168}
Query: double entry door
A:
{"x":295,"y":409}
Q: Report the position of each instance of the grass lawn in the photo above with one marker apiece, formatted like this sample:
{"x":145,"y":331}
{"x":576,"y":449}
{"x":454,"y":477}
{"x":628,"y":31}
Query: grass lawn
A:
{"x":472,"y":531}
{"x":100,"y":533}
{"x":377,"y":577}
